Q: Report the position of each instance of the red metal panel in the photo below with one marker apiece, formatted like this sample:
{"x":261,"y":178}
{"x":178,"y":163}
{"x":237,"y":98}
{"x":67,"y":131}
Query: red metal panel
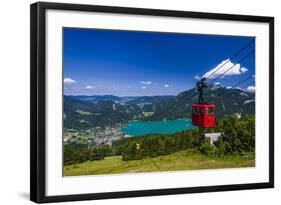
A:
{"x":203,"y":115}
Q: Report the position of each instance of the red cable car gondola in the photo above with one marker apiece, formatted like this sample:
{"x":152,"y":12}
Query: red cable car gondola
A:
{"x":202,"y":113}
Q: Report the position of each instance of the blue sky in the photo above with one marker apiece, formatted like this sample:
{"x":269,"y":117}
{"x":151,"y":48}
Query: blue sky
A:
{"x":129,"y":63}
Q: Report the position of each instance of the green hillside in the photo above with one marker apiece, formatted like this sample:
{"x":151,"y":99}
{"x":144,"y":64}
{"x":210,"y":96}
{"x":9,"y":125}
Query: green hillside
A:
{"x":183,"y":160}
{"x":101,"y":111}
{"x":227,"y":101}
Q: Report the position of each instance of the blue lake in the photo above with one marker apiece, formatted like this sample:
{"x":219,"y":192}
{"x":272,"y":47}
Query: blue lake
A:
{"x":139,"y":128}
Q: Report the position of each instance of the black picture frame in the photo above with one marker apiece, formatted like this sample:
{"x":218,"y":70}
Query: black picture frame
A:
{"x":38,"y":97}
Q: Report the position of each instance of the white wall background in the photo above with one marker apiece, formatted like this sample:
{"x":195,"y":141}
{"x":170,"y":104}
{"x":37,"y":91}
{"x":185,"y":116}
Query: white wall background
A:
{"x":14,"y":100}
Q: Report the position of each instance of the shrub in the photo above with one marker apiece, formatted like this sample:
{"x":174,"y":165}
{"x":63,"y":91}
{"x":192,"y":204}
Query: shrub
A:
{"x":238,"y":135}
{"x":207,"y":148}
{"x":96,"y":154}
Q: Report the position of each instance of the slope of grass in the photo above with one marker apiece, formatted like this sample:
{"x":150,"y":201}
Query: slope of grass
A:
{"x":183,"y":160}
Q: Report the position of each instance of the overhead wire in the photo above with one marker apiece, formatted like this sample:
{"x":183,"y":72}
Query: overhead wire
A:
{"x":233,"y":56}
{"x":175,"y":103}
{"x":249,"y":54}
{"x":237,"y":84}
{"x":183,"y":96}
{"x":249,"y":84}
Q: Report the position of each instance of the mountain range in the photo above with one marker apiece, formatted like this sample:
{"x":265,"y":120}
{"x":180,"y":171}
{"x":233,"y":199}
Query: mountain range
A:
{"x":84,"y":112}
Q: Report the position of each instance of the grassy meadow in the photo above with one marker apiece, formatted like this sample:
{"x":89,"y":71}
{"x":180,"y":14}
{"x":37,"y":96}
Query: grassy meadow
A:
{"x":183,"y":160}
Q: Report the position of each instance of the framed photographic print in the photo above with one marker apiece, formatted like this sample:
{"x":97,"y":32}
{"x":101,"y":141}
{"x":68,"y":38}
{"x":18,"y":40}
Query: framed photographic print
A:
{"x":129,"y":102}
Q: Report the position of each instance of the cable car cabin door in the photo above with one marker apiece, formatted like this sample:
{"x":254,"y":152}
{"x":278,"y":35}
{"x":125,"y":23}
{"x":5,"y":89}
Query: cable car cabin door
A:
{"x":203,"y":115}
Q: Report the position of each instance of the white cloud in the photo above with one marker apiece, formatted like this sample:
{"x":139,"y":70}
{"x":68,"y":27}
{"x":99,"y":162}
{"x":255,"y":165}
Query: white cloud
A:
{"x":251,"y":89}
{"x":228,"y":87}
{"x":223,"y":67}
{"x":69,"y":81}
{"x":217,"y":83}
{"x":197,"y":77}
{"x":146,"y":82}
{"x":90,"y":87}
{"x":143,"y":87}
{"x":166,"y":86}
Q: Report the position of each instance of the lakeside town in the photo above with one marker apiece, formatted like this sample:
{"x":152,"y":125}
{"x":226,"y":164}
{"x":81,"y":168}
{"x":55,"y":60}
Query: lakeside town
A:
{"x":95,"y":136}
